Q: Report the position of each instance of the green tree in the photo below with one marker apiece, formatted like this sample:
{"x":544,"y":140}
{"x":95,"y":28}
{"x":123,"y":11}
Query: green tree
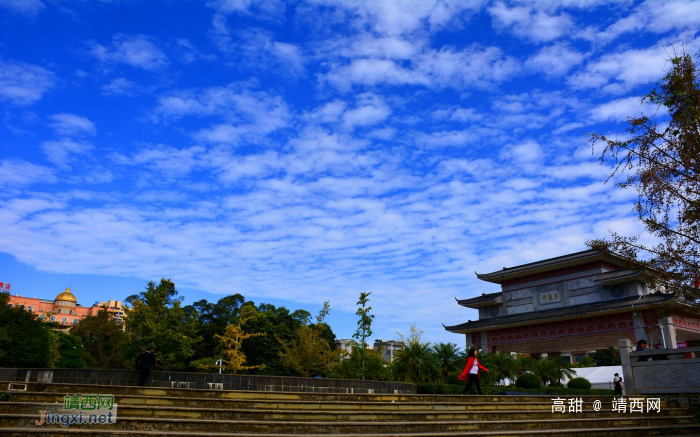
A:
{"x":71,"y":352}
{"x":501,"y":365}
{"x":157,"y":319}
{"x":552,"y":369}
{"x":103,"y":339}
{"x":364,"y":327}
{"x":562,"y":368}
{"x":414,"y":362}
{"x":309,"y":353}
{"x":276,"y":323}
{"x":212,"y":321}
{"x":662,"y":159}
{"x":26,"y":341}
{"x":607,"y":357}
{"x":447,"y":357}
{"x":523,"y":363}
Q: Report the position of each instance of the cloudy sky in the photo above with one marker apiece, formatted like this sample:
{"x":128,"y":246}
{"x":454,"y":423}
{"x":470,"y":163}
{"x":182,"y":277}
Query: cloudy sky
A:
{"x":297,"y":152}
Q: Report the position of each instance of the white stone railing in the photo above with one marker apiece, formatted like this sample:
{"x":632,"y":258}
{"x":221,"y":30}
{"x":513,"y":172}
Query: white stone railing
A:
{"x":660,"y":371}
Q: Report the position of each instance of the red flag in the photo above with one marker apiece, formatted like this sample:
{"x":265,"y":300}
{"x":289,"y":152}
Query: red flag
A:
{"x":2,"y":285}
{"x":697,"y":281}
{"x":7,"y":287}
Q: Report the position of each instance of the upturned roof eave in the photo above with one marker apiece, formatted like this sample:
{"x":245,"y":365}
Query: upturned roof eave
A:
{"x":461,"y":329}
{"x":499,"y":276}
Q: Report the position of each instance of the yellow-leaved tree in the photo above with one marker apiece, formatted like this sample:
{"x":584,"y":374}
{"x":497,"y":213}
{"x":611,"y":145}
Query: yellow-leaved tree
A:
{"x":234,"y":358}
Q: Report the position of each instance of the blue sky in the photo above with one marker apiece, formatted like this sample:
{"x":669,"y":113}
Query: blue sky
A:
{"x":297,"y":152}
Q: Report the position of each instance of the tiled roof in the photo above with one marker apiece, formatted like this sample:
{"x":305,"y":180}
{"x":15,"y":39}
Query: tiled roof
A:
{"x":486,"y":297}
{"x":544,"y":263}
{"x":618,"y":274}
{"x":555,"y":313}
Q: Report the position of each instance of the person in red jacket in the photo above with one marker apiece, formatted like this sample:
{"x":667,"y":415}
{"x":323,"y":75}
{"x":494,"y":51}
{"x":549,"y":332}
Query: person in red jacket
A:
{"x":471,"y":371}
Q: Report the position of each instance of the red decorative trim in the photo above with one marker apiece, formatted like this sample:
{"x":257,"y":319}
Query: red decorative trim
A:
{"x":566,"y":328}
{"x":686,"y":322}
{"x":559,"y":272}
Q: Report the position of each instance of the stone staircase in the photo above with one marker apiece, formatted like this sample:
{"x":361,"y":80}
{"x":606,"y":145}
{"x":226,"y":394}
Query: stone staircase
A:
{"x":178,"y":412}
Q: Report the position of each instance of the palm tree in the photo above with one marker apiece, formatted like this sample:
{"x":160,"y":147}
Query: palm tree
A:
{"x":447,"y":357}
{"x":501,"y":365}
{"x":563,"y":368}
{"x":414,"y":362}
{"x":523,"y":363}
{"x":552,"y":369}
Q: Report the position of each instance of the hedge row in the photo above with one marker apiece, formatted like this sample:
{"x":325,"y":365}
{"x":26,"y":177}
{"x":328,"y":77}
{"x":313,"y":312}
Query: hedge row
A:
{"x":453,"y":389}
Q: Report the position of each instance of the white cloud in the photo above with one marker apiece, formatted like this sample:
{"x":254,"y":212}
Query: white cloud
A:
{"x":617,"y":110}
{"x":393,"y":18}
{"x":555,"y":60}
{"x":138,"y":51}
{"x":30,"y":8}
{"x":526,"y":22}
{"x":444,"y":68}
{"x":654,"y":16}
{"x":369,"y":110}
{"x":168,"y":161}
{"x":272,"y":10}
{"x":620,"y":72}
{"x":120,"y":86}
{"x":18,"y":173}
{"x":62,"y":152}
{"x":70,"y":124}
{"x":247,"y":113}
{"x":527,"y":156}
{"x":22,"y":83}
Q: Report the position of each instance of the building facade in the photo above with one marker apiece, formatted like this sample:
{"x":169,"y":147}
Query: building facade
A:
{"x":574,"y":304}
{"x":65,"y":308}
{"x":388,"y":348}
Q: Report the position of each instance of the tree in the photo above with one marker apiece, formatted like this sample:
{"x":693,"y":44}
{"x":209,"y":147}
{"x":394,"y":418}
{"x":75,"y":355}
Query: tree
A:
{"x":364,"y":327}
{"x":552,"y":369}
{"x":309,"y":353}
{"x":414,"y":362}
{"x":501,"y":365}
{"x":26,"y":340}
{"x":212,"y":320}
{"x":607,"y":357}
{"x":71,"y":353}
{"x":662,"y":159}
{"x":157,"y":319}
{"x":447,"y":357}
{"x":276,"y":323}
{"x":232,"y":340}
{"x":103,"y":339}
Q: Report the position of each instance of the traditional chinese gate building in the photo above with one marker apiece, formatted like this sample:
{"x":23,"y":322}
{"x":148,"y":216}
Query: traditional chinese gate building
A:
{"x":574,"y":303}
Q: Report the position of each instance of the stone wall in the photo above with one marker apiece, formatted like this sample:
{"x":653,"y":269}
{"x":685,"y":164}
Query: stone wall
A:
{"x":207,"y":381}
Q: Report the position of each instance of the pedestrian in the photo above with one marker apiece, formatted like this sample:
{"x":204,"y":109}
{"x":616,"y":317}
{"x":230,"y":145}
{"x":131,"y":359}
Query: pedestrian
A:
{"x":471,"y":371}
{"x":617,"y":383}
{"x":642,"y":346}
{"x":144,"y":362}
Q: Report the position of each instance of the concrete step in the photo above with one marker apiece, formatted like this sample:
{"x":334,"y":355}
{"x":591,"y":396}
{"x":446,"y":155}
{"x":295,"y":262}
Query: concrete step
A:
{"x":632,"y":431}
{"x":340,"y":416}
{"x":358,"y":428}
{"x":281,"y":396}
{"x":464,"y":403}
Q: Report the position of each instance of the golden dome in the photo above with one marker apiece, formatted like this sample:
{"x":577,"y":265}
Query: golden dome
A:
{"x":66,"y":296}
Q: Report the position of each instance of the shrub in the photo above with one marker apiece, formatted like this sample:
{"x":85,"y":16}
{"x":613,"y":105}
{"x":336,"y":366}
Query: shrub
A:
{"x":579,"y":383}
{"x":556,"y":384}
{"x":528,"y":380}
{"x":429,"y":388}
